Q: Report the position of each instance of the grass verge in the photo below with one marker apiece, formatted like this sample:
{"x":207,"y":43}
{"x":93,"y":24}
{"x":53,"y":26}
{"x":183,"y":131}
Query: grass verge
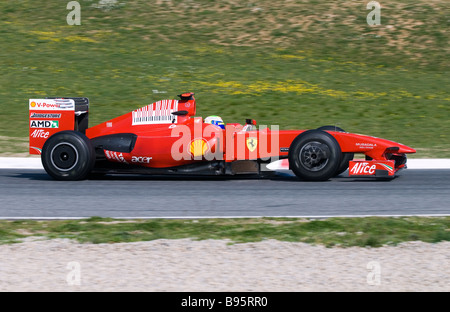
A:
{"x":342,"y":232}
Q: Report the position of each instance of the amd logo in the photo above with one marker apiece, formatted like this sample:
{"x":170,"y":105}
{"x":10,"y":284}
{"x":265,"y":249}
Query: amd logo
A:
{"x":44,"y":124}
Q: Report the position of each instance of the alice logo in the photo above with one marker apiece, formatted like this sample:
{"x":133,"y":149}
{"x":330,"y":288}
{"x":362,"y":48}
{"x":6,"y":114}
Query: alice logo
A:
{"x":74,"y":16}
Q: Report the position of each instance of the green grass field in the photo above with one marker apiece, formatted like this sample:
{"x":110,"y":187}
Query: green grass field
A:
{"x":296,"y":64}
{"x":342,"y":232}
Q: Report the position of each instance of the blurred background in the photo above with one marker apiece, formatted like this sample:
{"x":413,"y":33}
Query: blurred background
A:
{"x":297,"y":64}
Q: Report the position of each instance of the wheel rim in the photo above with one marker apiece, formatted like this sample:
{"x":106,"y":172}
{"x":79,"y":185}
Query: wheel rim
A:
{"x":314,"y":156}
{"x":64,"y":156}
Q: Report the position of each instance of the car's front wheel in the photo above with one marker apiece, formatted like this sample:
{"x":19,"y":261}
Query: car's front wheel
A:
{"x":68,"y":155}
{"x":314,"y":155}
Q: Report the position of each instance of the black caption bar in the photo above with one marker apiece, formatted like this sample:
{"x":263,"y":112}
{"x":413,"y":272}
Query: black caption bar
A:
{"x":229,"y":301}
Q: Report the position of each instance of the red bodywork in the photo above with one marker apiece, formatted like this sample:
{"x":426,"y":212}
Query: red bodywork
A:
{"x":167,"y":134}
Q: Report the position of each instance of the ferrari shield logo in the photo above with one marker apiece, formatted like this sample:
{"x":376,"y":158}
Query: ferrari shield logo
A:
{"x":251,"y":143}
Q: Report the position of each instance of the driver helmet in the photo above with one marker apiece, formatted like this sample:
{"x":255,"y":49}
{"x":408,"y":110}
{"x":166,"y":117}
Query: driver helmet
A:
{"x":215,"y":120}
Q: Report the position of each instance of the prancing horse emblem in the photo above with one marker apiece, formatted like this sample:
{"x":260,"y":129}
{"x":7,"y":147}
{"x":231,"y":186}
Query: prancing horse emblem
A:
{"x":251,"y":143}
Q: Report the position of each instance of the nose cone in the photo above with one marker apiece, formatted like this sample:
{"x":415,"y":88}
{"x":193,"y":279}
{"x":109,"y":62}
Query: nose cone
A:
{"x":410,"y":150}
{"x":406,"y":149}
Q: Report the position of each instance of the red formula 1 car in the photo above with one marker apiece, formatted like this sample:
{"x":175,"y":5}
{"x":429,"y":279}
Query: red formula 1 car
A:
{"x":165,"y":137}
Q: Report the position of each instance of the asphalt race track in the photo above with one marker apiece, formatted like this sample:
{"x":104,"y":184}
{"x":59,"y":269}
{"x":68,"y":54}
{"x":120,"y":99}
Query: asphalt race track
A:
{"x":29,"y":193}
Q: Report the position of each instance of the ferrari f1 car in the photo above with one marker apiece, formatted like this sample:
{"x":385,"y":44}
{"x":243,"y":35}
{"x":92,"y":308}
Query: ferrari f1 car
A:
{"x":165,"y":137}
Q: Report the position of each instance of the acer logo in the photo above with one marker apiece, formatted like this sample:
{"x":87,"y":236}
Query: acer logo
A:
{"x":363,"y":168}
{"x":140,"y":160}
{"x":40,"y":134}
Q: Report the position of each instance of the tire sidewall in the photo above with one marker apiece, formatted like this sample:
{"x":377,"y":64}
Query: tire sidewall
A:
{"x":334,"y":158}
{"x":85,"y":152}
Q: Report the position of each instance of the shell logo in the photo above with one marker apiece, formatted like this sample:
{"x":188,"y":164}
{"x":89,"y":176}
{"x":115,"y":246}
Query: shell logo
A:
{"x":198,"y":147}
{"x":33,"y":104}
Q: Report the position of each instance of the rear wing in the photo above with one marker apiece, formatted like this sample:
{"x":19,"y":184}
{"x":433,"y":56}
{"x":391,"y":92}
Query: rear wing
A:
{"x":51,"y":115}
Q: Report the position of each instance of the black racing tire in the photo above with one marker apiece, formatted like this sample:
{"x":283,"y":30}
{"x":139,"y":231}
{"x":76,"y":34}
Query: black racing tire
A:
{"x":346,"y":157}
{"x":68,"y":155}
{"x":314,"y":155}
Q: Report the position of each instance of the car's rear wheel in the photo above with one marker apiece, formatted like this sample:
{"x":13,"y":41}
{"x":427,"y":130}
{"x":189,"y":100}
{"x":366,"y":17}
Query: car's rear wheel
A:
{"x":68,"y":155}
{"x":314,"y":155}
{"x":346,"y":157}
